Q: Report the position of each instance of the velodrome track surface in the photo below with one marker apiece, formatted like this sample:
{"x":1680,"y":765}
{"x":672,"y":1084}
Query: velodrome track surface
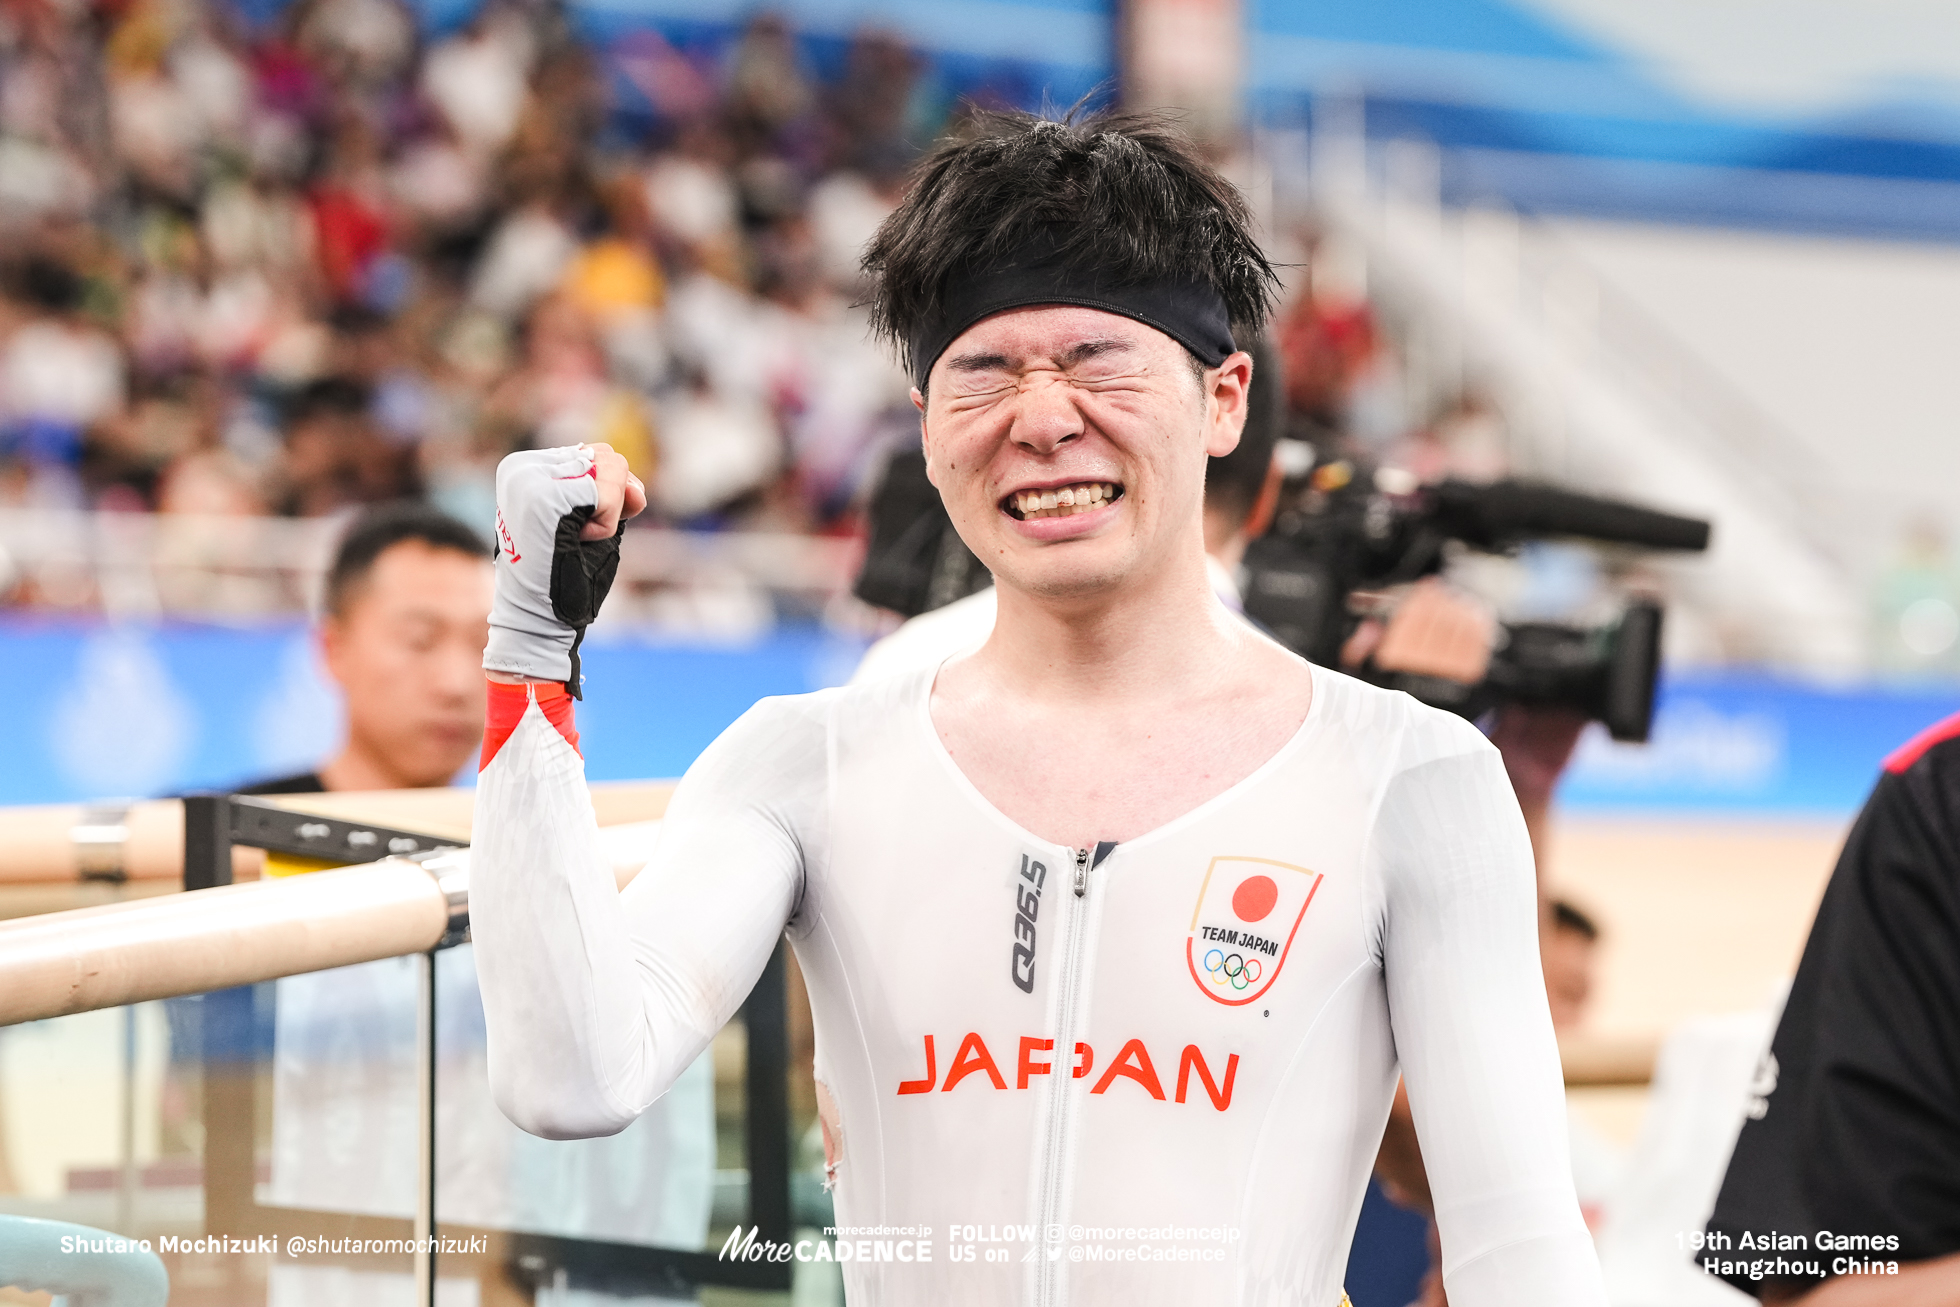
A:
{"x":1700,"y":916}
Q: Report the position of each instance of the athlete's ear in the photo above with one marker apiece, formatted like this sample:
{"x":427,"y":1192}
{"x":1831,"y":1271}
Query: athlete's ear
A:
{"x":1225,"y":395}
{"x":925,"y":433}
{"x":330,"y":644}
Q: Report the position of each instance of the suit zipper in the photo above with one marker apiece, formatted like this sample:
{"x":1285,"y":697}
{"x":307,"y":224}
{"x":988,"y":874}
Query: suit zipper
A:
{"x":1060,"y":1123}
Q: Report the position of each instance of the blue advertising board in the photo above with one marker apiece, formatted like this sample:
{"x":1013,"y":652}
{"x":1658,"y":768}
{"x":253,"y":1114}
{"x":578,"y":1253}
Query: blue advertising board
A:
{"x":115,"y":711}
{"x":1747,"y":742}
{"x":105,"y":711}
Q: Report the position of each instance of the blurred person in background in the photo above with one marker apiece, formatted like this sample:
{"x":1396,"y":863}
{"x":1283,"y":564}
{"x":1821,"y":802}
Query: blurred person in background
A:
{"x":1328,"y":339}
{"x":406,"y":615}
{"x":60,"y":375}
{"x":1852,"y":1141}
{"x":334,"y":455}
{"x":407,"y":611}
{"x":1917,"y":606}
{"x":1571,"y":951}
{"x":1466,"y":440}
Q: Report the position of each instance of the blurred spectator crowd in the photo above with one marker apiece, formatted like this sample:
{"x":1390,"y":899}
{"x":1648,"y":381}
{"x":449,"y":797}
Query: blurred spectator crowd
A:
{"x":289,"y":261}
{"x":325,"y":258}
{"x":286,"y":257}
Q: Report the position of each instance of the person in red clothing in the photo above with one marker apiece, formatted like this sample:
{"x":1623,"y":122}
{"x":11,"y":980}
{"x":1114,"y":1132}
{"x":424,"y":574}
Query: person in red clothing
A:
{"x":350,"y":234}
{"x":350,"y":223}
{"x":1324,"y":343}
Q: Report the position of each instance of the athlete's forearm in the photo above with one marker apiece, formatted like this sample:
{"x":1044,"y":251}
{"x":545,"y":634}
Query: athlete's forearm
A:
{"x":596,"y":1000}
{"x":552,"y":954}
{"x":592,"y":1011}
{"x":1918,"y":1284}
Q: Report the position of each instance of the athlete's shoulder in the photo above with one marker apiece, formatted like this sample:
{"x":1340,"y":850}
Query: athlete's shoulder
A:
{"x":1394,"y":726}
{"x":930,"y":638}
{"x":778,"y":731}
{"x":793,"y":712}
{"x":775,"y":757}
{"x":820,"y":714}
{"x":888,"y":693}
{"x":1919,"y":789}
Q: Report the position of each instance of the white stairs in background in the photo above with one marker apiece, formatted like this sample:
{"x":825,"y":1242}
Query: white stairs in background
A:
{"x":1598,"y":398}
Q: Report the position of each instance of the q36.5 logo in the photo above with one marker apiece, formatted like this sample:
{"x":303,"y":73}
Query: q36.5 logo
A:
{"x":1027,"y":907}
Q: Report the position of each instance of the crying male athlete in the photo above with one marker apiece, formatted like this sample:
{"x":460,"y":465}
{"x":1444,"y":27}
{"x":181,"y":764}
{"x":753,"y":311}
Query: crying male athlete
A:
{"x":1117,"y":929}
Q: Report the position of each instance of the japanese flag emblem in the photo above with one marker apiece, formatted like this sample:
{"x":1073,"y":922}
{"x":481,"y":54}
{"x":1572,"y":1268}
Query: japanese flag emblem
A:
{"x":1248,"y":912}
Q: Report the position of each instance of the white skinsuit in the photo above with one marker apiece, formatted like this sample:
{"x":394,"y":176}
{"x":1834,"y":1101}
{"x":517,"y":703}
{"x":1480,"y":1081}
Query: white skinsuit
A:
{"x":1150,"y":1073}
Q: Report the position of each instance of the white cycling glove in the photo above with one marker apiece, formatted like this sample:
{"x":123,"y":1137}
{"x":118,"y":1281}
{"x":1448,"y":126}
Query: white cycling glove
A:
{"x":550,"y":583}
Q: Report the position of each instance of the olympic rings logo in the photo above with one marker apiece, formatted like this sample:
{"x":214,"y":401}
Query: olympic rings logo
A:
{"x":1231,"y":969}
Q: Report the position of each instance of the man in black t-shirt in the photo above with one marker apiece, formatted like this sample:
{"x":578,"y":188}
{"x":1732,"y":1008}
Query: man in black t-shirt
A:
{"x":1844,"y":1187}
{"x":407,"y":613}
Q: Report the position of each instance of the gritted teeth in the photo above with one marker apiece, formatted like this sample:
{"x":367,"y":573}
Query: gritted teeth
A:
{"x":1063,"y":501}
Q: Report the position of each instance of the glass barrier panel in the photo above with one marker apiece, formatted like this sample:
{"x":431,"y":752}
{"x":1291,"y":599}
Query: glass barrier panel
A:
{"x":640,"y":1217}
{"x":160,"y":1124}
{"x":266,"y":1143}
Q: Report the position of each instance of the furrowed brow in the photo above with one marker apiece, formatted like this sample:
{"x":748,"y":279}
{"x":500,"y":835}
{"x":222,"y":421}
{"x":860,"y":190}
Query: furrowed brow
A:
{"x":1090,"y":349}
{"x":978,"y":362}
{"x":1068,"y":358}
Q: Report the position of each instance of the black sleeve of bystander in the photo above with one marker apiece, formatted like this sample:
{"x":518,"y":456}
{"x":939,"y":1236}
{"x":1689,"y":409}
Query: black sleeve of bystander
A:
{"x":1853,"y":1140}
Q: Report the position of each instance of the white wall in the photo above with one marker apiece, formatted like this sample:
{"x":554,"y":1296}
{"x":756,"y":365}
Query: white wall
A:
{"x":1852,"y":346}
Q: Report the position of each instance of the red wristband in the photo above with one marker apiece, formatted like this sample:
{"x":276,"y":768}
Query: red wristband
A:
{"x":507,"y":704}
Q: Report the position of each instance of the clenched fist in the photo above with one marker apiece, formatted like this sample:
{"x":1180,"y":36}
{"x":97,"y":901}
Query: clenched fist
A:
{"x":558,"y":520}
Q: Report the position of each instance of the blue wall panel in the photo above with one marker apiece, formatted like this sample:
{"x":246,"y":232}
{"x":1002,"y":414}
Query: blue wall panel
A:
{"x":1742,"y":742}
{"x":103,"y":711}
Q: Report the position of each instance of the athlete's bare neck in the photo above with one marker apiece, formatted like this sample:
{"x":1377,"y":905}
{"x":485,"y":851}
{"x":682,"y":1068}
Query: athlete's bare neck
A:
{"x":1104,"y":717}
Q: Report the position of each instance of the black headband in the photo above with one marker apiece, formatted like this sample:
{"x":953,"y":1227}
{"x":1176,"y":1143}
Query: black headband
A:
{"x":1192,"y":313}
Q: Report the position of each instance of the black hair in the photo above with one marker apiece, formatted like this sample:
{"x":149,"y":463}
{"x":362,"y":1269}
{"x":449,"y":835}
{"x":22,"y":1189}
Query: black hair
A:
{"x":356,"y":320}
{"x":49,"y":284}
{"x":380,"y":529}
{"x":1567,"y":917}
{"x":327,"y":397}
{"x":1126,"y":194}
{"x":1233,"y":481}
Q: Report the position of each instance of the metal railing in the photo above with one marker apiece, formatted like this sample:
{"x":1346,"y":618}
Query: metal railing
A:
{"x":216,"y":937}
{"x":61,"y":963}
{"x":145,"y":565}
{"x":121,"y":841}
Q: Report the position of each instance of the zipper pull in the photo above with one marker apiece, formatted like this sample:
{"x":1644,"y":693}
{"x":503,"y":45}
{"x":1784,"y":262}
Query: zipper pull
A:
{"x":1081,"y":872}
